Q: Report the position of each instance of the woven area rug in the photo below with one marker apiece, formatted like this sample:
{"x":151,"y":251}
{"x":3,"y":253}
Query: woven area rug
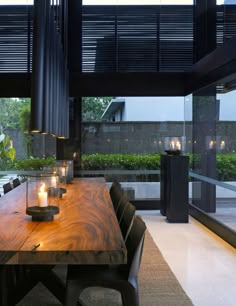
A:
{"x":157,"y":284}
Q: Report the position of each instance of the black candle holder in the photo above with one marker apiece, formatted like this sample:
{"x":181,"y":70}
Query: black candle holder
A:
{"x":42,"y":213}
{"x":173,"y":152}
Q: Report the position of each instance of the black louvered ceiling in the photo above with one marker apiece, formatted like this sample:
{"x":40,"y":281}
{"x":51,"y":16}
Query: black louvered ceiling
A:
{"x":117,"y":38}
{"x":137,"y":38}
{"x":15,"y":38}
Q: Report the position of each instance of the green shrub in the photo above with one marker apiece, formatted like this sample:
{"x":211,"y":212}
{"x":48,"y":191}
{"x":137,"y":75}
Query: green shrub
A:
{"x":226,"y":166}
{"x":226,"y":163}
{"x":120,"y":161}
{"x":34,"y":163}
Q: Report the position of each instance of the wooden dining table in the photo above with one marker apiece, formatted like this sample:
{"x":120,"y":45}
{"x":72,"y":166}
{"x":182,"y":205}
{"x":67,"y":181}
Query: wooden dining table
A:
{"x":85,"y":231}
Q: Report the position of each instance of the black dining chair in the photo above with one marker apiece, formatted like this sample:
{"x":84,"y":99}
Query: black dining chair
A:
{"x":16,"y":182}
{"x":116,"y":193}
{"x":123,"y":278}
{"x":127,"y":220}
{"x":121,"y":207}
{"x":7,"y":187}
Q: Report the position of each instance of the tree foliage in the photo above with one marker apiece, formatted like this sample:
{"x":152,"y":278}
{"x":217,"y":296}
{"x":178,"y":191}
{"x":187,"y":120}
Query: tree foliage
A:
{"x":6,"y":149}
{"x":11,"y":112}
{"x":24,"y":117}
{"x":93,"y":107}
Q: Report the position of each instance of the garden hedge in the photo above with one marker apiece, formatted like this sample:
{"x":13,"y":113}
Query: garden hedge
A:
{"x":226,"y":163}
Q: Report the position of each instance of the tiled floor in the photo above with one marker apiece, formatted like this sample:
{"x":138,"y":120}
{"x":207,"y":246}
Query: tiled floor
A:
{"x":203,"y":263}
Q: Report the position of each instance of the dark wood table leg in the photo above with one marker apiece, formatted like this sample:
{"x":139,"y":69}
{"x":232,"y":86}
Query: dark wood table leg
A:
{"x":7,"y":285}
{"x":40,"y":273}
{"x":3,"y":289}
{"x":51,"y":281}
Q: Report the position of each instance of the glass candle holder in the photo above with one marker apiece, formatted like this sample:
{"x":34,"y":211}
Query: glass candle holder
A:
{"x":173,"y":145}
{"x":42,"y":196}
{"x":65,"y":170}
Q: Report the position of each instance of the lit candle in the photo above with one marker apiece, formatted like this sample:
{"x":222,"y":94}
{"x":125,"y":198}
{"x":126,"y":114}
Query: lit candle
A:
{"x":42,"y":196}
{"x":63,"y":171}
{"x":172,"y":145}
{"x":178,"y":145}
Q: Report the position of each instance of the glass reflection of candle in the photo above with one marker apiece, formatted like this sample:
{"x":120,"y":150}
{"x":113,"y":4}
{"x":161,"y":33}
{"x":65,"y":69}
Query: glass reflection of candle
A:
{"x":172,"y":145}
{"x":54,"y":182}
{"x":42,"y":196}
{"x":211,"y":143}
{"x":222,"y":144}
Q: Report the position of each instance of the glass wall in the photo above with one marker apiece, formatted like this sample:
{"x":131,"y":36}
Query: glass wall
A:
{"x":19,"y":149}
{"x":129,"y":148}
{"x":213,"y":158}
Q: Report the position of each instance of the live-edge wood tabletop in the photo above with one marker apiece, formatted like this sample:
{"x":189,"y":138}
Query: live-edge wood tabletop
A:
{"x":86,"y":230}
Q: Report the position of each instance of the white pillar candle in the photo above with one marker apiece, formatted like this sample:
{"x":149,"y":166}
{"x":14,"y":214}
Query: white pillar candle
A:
{"x":42,"y":197}
{"x":63,"y":171}
{"x":178,"y":145}
{"x":172,"y":145}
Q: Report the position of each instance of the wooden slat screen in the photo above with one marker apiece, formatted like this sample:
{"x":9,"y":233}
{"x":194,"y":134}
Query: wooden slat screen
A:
{"x":219,"y":25}
{"x":98,"y":39}
{"x":137,"y":38}
{"x":117,"y":38}
{"x":229,"y":21}
{"x":176,"y":37}
{"x":15,"y":38}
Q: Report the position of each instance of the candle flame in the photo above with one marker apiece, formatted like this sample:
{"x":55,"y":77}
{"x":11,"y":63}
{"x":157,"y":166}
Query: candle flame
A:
{"x":42,"y":188}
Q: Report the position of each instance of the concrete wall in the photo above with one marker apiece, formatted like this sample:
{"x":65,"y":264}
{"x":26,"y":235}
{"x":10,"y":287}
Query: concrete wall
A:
{"x":124,"y":137}
{"x":145,"y":137}
{"x":128,"y":137}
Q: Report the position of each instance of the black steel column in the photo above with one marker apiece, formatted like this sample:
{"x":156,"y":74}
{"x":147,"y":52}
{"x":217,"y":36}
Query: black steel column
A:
{"x":205,"y":109}
{"x":205,"y":116}
{"x":204,"y":27}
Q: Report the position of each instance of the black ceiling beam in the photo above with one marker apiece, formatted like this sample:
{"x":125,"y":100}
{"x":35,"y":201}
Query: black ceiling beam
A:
{"x":217,"y":66}
{"x":15,"y":85}
{"x":214,"y":68}
{"x":128,"y":84}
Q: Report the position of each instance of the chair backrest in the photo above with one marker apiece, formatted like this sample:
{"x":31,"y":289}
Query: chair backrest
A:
{"x":115,"y":185}
{"x":16,"y":182}
{"x":127,"y":220}
{"x":116,"y":193}
{"x":7,"y":187}
{"x":134,"y":246}
{"x":121,"y":207}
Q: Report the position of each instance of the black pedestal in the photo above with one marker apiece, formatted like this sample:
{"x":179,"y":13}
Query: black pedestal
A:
{"x":174,"y":187}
